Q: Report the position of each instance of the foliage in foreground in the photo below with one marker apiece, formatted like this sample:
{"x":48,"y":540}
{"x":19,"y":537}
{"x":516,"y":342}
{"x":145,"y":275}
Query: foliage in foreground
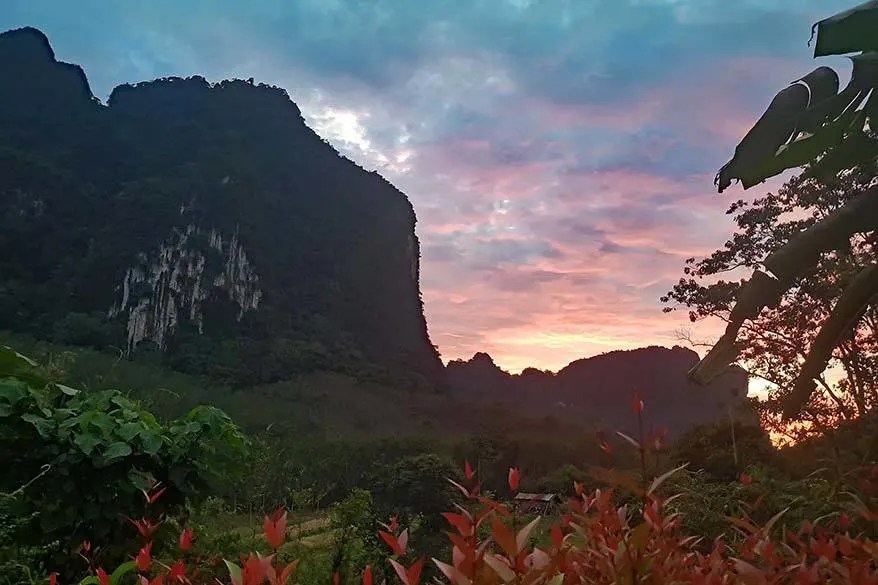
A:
{"x":595,"y":541}
{"x":76,"y":462}
{"x":629,"y":532}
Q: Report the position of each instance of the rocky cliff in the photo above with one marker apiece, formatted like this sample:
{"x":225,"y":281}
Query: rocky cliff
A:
{"x":203,"y":222}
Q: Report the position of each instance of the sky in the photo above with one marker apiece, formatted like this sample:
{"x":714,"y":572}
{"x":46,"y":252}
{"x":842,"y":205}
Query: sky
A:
{"x":559,"y":155}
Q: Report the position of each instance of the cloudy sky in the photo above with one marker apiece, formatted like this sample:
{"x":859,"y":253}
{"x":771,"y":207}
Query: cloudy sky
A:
{"x":560,"y":154}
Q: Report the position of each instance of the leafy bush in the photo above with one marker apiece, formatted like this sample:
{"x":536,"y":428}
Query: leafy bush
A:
{"x":595,"y":541}
{"x":94,"y":453}
{"x":724,"y":451}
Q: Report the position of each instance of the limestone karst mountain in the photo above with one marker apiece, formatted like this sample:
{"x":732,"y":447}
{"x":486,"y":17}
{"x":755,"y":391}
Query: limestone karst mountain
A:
{"x":599,"y":390}
{"x":202,"y":221}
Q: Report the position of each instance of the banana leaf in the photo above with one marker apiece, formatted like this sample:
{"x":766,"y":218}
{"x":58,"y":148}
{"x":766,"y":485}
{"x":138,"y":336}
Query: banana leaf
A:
{"x":848,"y":32}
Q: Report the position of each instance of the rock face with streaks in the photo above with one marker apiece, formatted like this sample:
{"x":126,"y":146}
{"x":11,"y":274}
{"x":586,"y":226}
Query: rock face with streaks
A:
{"x":204,"y":221}
{"x":176,"y":281}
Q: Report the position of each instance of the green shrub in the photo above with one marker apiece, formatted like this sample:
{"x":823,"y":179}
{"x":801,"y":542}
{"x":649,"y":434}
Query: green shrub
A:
{"x":97,"y":453}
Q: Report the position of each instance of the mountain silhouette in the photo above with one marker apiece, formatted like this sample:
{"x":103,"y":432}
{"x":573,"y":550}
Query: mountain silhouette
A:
{"x":203,"y":222}
{"x":600,"y":390}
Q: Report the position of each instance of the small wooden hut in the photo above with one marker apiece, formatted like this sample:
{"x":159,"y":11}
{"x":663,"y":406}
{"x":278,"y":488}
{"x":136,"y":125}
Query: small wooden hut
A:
{"x":535,"y":503}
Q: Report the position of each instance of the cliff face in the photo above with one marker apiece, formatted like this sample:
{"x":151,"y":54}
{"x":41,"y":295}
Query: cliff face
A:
{"x":600,"y":390}
{"x":203,"y":221}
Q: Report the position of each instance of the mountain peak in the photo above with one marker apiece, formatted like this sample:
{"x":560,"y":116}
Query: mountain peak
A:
{"x":28,"y":42}
{"x":190,"y":217}
{"x":599,"y":388}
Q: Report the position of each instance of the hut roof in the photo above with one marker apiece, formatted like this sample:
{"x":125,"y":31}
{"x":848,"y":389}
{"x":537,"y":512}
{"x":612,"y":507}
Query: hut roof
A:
{"x":522,"y":496}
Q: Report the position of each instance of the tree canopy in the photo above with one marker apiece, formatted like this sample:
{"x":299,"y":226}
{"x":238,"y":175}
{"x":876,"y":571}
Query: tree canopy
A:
{"x":811,"y":245}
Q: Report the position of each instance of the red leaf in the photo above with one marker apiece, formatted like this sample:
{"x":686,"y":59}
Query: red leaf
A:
{"x":391,"y":542}
{"x":403,"y":541}
{"x":144,"y":526}
{"x":468,"y":470}
{"x":186,"y":539}
{"x":460,"y":522}
{"x":53,"y":579}
{"x":154,"y":496}
{"x":178,"y":572}
{"x":557,"y":536}
{"x":400,"y":572}
{"x":513,"y":478}
{"x":637,"y":403}
{"x":414,"y":572}
{"x":746,"y":479}
{"x":367,"y":575}
{"x":275,"y":528}
{"x":144,"y":557}
{"x":102,"y":576}
{"x":285,"y":574}
{"x":504,"y":537}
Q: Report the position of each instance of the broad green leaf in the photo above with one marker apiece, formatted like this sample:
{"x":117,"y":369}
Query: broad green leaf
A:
{"x":87,"y":442}
{"x":12,"y":390}
{"x":104,"y":422}
{"x":234,"y":572}
{"x":121,"y":571}
{"x":117,"y":451}
{"x":44,"y":426}
{"x":129,"y":430}
{"x":151,"y":441}
{"x":140,"y":479}
{"x":11,"y":361}
{"x":67,"y":389}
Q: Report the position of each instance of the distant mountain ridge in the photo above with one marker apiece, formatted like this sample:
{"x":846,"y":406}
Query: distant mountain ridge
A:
{"x":600,"y":389}
{"x":203,"y":221}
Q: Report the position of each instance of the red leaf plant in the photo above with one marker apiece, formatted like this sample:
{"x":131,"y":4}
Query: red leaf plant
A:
{"x":596,"y":540}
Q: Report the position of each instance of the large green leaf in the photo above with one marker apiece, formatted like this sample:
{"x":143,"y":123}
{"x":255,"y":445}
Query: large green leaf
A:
{"x":805,"y":150}
{"x":129,"y":430}
{"x":848,"y":32}
{"x":151,"y":441}
{"x":117,"y":450}
{"x":87,"y":442}
{"x":11,"y":391}
{"x":44,"y":426}
{"x":11,"y":361}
